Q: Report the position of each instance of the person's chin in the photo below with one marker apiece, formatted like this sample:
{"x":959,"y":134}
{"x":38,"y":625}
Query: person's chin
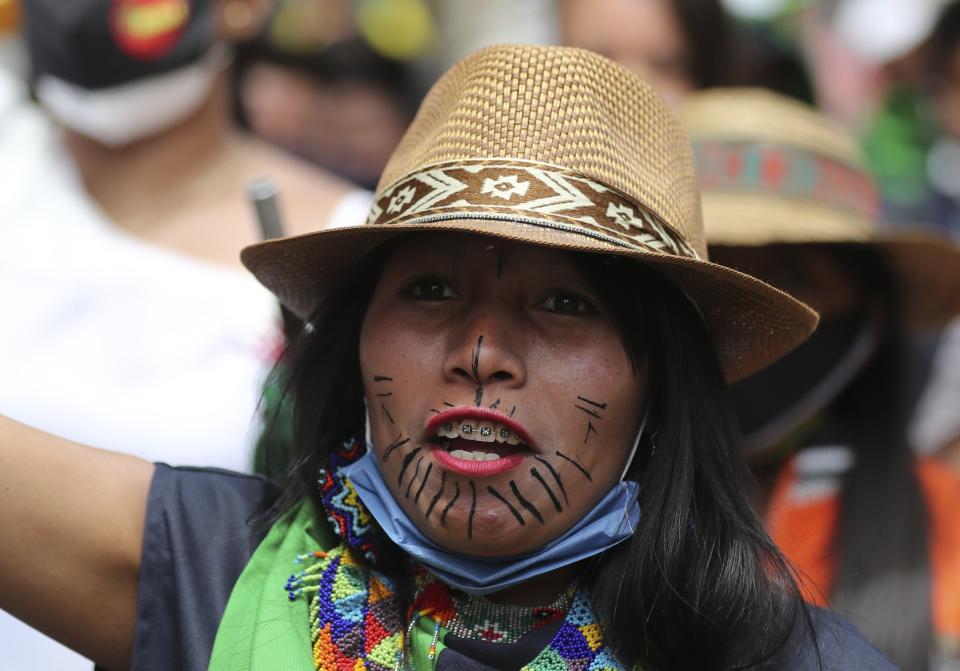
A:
{"x":491,"y":536}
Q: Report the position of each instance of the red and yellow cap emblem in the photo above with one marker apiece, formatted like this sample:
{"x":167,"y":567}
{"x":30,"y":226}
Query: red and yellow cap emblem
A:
{"x":148,"y":29}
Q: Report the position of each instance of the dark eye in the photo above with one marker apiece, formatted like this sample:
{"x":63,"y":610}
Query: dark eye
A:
{"x":567,"y":303}
{"x":430,"y":289}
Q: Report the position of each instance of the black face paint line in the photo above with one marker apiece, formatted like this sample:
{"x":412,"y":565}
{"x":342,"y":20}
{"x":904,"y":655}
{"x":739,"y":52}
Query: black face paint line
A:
{"x":513,"y":410}
{"x":473,"y":510}
{"x":495,"y":404}
{"x":423,"y":483}
{"x":593,"y":411}
{"x":389,"y":393}
{"x":436,"y":497}
{"x":413,"y":479}
{"x":543,"y":483}
{"x":556,"y":477}
{"x":456,"y":495}
{"x":448,"y":404}
{"x":476,"y":374}
{"x":399,"y":441}
{"x":532,"y":509}
{"x":434,"y":411}
{"x":406,"y":463}
{"x":580,"y":468}
{"x":600,"y":406}
{"x":382,"y":378}
{"x":497,"y":495}
{"x":590,"y":429}
{"x":386,"y":413}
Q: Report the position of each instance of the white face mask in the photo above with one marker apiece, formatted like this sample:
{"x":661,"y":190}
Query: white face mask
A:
{"x":120,"y":115}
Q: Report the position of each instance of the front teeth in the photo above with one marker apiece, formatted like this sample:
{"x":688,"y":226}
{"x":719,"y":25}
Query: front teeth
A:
{"x":473,"y":456}
{"x":483,"y":432}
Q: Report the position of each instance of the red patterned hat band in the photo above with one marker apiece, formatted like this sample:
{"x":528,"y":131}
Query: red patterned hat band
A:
{"x":778,"y":170}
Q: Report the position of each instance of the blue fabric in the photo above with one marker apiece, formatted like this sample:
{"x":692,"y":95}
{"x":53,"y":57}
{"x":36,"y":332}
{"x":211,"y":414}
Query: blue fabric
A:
{"x":610,"y":522}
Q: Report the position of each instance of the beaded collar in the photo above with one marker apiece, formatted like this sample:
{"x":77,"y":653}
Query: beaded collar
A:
{"x":356,"y":620}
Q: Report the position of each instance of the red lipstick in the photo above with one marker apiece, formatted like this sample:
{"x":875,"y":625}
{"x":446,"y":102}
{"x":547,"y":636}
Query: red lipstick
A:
{"x":510,"y":456}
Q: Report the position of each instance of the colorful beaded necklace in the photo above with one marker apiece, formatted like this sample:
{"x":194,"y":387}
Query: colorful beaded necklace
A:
{"x":355,"y":617}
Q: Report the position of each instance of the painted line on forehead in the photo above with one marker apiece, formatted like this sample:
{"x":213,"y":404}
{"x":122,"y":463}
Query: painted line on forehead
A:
{"x":406,"y":463}
{"x":602,"y":406}
{"x":435,"y":411}
{"x":532,"y":509}
{"x":556,"y":477}
{"x":413,"y":479}
{"x":456,"y":495}
{"x":436,"y":497}
{"x":553,"y":497}
{"x":382,"y":378}
{"x":473,"y":510}
{"x":495,"y":404}
{"x":502,"y":500}
{"x":513,"y":410}
{"x":580,"y":468}
{"x":423,"y":483}
{"x":448,"y":404}
{"x":399,"y":441}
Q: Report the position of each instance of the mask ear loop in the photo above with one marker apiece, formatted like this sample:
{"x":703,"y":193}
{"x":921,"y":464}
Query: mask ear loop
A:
{"x":367,"y":433}
{"x":636,"y":442}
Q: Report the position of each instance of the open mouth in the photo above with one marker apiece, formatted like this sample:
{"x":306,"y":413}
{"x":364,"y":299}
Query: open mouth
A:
{"x":477,"y":441}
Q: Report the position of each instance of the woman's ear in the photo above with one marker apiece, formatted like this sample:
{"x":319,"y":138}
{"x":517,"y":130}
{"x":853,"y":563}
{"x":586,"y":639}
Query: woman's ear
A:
{"x":239,"y":20}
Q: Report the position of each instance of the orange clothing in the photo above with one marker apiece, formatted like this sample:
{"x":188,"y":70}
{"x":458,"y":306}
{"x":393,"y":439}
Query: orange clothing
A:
{"x":802,"y":525}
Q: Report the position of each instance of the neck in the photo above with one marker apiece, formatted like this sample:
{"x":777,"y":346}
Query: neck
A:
{"x":539,"y":590}
{"x":125,"y":180}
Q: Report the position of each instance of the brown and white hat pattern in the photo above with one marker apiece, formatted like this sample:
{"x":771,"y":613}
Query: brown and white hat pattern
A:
{"x":558,"y":147}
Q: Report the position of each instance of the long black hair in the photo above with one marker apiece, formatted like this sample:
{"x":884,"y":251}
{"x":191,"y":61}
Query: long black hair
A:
{"x":882,"y":539}
{"x":699,"y":585}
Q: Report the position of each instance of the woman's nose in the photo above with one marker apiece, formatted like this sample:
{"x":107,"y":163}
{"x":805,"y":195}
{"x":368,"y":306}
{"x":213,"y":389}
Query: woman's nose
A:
{"x":481,"y":355}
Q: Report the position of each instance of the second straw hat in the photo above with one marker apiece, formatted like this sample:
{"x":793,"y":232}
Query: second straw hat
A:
{"x":774,"y":171}
{"x":558,"y":147}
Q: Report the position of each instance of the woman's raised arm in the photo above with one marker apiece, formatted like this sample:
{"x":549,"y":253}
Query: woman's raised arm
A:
{"x":71,"y":524}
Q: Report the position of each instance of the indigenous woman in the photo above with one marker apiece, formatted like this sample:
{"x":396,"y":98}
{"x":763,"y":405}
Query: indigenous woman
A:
{"x":870,"y":528}
{"x":512,"y":447}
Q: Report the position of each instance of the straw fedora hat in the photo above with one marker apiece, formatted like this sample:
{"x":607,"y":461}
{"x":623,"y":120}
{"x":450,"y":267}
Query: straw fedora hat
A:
{"x":559,"y":147}
{"x":774,"y":171}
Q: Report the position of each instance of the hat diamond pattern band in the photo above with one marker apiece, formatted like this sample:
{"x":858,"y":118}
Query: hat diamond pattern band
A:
{"x":526,"y":192}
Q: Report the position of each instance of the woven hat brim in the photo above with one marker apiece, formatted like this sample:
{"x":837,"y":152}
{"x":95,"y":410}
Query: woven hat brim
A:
{"x":926,"y":268}
{"x":752,"y":323}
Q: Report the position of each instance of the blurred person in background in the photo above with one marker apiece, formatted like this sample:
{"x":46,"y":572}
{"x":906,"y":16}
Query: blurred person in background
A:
{"x":871,"y":59}
{"x":681,"y":46}
{"x":322,"y":82}
{"x":871,"y":528}
{"x":128,"y":321}
{"x":678,"y":46}
{"x":936,"y":428}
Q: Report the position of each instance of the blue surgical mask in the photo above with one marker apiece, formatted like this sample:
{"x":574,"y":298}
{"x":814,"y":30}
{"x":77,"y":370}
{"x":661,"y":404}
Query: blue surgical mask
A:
{"x":611,"y":521}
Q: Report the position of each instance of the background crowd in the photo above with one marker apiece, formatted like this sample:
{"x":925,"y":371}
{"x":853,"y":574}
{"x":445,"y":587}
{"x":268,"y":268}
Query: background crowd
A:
{"x":130,"y":159}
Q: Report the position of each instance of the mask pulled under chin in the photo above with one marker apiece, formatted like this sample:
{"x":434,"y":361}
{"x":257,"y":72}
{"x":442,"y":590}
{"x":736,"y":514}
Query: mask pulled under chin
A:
{"x":123,"y":114}
{"x":611,"y":521}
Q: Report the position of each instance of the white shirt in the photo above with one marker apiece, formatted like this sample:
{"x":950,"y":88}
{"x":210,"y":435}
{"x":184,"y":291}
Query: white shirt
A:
{"x":111,"y":342}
